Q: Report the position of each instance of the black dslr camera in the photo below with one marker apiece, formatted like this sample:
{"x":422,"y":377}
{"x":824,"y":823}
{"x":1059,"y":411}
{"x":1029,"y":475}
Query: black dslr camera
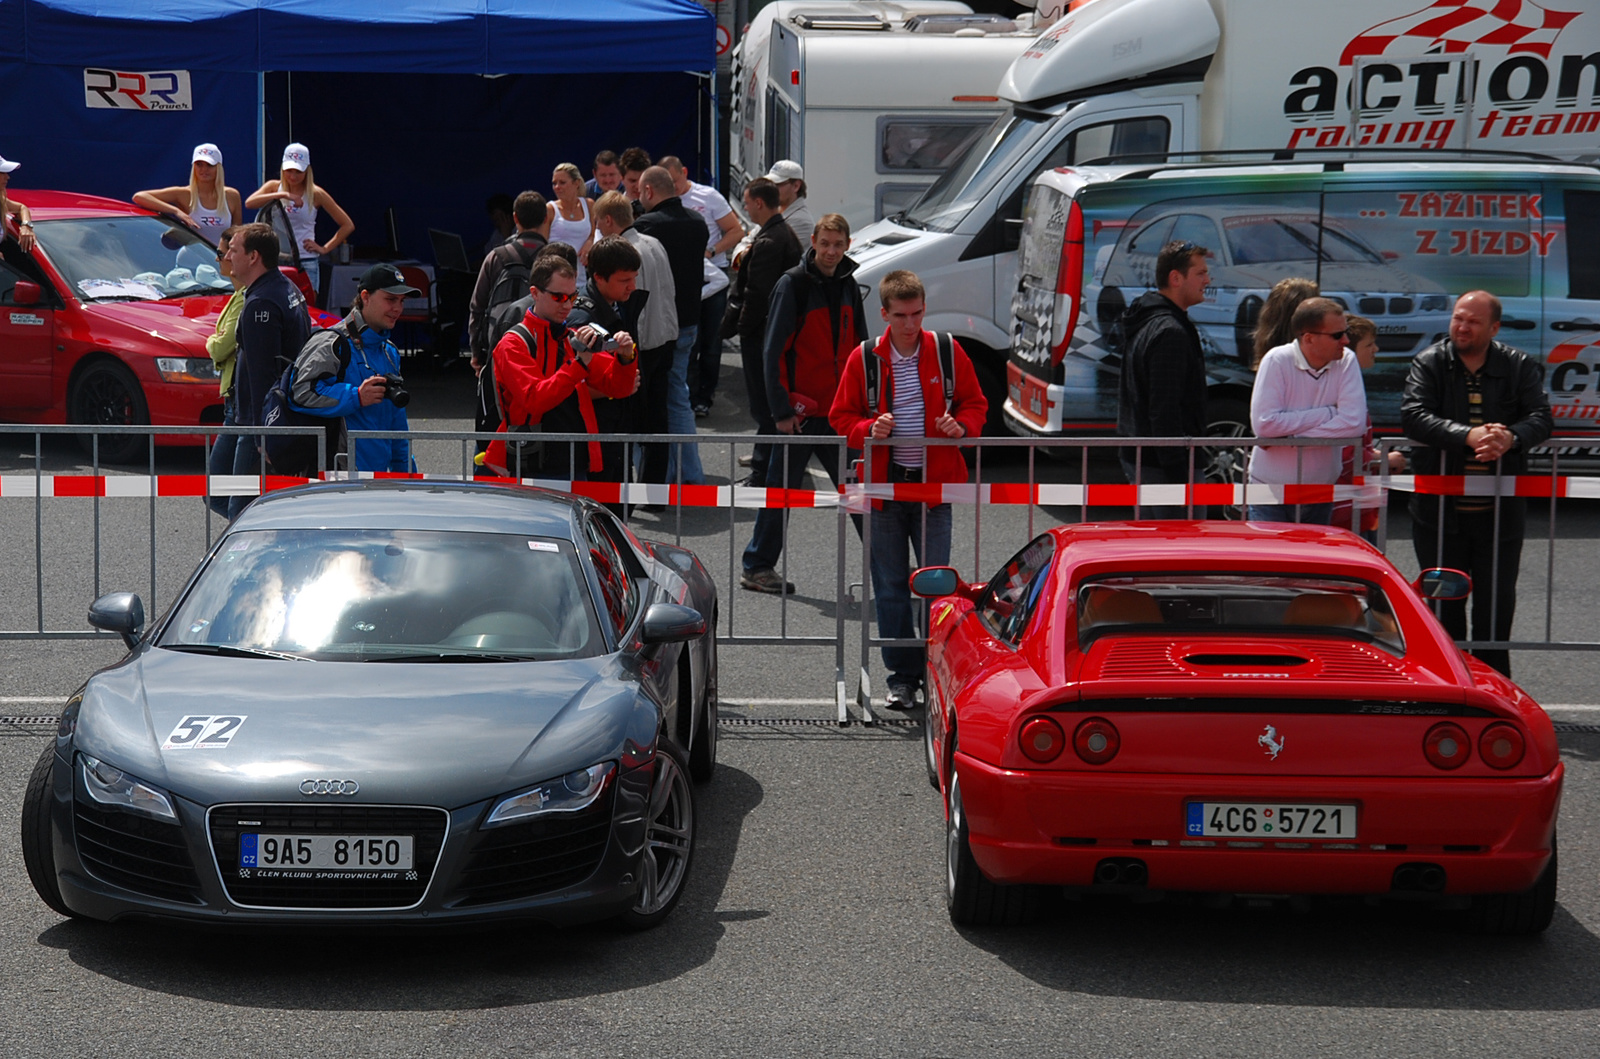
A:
{"x":394,"y":388}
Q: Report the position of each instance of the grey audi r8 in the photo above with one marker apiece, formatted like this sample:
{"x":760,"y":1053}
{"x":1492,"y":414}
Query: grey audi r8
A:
{"x":401,"y":701}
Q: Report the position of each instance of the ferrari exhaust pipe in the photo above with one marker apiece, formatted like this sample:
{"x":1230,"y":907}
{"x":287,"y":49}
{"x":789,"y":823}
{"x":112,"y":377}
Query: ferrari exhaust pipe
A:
{"x":1431,"y":879}
{"x":1419,"y":878}
{"x":1134,"y":873}
{"x":1108,"y":872}
{"x":1121,"y":871}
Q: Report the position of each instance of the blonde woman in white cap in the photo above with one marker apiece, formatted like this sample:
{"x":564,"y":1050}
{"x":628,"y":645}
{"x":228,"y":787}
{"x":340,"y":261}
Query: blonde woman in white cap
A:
{"x":10,"y":209}
{"x":207,"y":205}
{"x":300,"y":200}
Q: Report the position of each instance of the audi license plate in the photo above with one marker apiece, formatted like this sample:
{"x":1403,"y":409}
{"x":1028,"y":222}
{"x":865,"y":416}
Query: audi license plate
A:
{"x":1270,"y":820}
{"x":331,"y":852}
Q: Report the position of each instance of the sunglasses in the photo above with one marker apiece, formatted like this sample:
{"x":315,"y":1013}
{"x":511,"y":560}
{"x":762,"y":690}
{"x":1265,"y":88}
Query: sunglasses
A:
{"x":1330,"y":334}
{"x":559,"y":299}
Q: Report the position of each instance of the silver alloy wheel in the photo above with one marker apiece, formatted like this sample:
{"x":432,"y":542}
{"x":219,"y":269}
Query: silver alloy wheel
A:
{"x":1226,"y":464}
{"x":669,"y":838}
{"x":952,"y":837}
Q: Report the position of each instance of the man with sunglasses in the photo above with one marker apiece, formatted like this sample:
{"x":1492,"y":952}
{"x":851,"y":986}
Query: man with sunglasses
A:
{"x":1307,"y":388}
{"x":544,"y":382}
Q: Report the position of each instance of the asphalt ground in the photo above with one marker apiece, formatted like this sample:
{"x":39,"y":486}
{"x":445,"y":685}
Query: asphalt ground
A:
{"x":814,"y":921}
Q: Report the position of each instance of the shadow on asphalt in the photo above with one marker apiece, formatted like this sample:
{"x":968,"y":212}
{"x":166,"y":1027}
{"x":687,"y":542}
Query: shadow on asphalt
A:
{"x":427,"y":971}
{"x":1336,"y":957}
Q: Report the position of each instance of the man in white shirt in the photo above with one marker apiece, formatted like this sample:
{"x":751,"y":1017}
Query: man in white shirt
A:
{"x":723,"y":232}
{"x":1307,"y":388}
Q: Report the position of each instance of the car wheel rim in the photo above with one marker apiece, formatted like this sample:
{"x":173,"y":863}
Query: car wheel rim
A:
{"x":952,"y":844}
{"x":1227,"y":464}
{"x":105,"y":401}
{"x":669,"y":839}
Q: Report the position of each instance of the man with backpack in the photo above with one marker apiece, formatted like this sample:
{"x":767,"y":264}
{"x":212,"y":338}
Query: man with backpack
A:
{"x":816,"y":320}
{"x":351,"y":372}
{"x":273,"y":325}
{"x":911,"y":384}
{"x":543,"y":383}
{"x":502,"y":280}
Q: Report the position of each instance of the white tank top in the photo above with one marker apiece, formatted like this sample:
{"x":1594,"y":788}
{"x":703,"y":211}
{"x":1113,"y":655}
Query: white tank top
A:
{"x":302,"y":221}
{"x":573,"y":233}
{"x":212,"y":223}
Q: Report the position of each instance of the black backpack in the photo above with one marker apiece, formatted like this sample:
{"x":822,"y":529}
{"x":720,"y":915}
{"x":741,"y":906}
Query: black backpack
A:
{"x":522,"y":453}
{"x":295,"y":455}
{"x":947,"y":369}
{"x":509,"y":298}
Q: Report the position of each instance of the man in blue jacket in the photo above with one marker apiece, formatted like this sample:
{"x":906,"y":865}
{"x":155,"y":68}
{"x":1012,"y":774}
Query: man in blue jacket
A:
{"x":351,"y":386}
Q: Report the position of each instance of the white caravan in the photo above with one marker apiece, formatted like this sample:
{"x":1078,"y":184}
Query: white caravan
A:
{"x":1133,"y":80}
{"x":873,"y":99}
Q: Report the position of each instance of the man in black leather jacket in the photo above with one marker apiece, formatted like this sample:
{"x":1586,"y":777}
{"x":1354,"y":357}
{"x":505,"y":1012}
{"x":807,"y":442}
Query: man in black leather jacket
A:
{"x":1475,"y":407}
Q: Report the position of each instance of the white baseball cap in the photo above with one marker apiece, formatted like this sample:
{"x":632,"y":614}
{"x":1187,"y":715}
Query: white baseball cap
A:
{"x":6,"y":167}
{"x":207,"y":152}
{"x":787,"y":169}
{"x":297,"y":156}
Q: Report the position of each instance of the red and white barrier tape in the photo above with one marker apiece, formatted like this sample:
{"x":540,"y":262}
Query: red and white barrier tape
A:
{"x":1365,"y":491}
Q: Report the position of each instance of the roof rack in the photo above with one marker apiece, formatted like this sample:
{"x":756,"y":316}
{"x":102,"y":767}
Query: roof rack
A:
{"x":822,"y":20}
{"x":984,"y":23}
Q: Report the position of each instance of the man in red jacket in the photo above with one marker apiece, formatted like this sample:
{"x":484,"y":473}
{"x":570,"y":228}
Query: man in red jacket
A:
{"x":816,"y":320}
{"x":551,"y":382}
{"x":911,"y":403}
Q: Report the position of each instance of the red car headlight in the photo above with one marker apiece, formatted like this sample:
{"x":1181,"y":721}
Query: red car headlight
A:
{"x":1042,"y":740}
{"x":1096,"y":741}
{"x":1501,"y":745}
{"x":1447,"y":746}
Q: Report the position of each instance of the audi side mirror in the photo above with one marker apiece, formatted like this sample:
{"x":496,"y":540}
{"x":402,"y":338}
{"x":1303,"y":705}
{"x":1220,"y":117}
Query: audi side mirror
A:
{"x":121,"y":613}
{"x":671,"y":623}
{"x":26,"y":292}
{"x":1440,"y":583}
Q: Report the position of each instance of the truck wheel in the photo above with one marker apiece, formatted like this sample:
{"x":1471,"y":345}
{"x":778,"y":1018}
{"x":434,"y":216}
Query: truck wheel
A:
{"x":1228,"y":417}
{"x":1108,"y":312}
{"x":105,"y":393}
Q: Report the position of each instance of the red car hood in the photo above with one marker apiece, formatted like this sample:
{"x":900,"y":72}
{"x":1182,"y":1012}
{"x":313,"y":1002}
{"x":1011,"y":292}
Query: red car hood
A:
{"x":188,"y":321}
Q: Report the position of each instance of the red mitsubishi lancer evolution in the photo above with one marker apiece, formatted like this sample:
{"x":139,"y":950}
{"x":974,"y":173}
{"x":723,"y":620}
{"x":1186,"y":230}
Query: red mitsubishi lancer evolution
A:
{"x":1211,"y":707}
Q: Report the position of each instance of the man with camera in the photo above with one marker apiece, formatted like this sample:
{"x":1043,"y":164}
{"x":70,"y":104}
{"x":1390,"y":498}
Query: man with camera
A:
{"x":605,"y":315}
{"x":356,"y":375}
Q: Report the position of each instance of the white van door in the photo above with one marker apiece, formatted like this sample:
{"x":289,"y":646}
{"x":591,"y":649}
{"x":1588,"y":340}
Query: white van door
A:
{"x":1145,"y":133}
{"x":1572,"y":306}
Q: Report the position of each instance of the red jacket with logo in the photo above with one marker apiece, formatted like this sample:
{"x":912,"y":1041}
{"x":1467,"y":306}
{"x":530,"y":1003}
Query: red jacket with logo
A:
{"x":852,"y":418}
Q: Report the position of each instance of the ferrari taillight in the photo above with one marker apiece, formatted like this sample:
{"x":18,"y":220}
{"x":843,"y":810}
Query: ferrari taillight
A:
{"x":1501,"y":745}
{"x":1446,"y":746}
{"x":1096,"y":741}
{"x":1042,"y":740}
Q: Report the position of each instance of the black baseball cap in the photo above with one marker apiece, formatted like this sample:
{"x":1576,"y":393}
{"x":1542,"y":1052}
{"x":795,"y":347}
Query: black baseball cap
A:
{"x":388,"y":279}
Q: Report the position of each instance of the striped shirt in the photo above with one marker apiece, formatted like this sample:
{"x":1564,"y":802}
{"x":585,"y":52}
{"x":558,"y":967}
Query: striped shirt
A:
{"x":909,"y":421}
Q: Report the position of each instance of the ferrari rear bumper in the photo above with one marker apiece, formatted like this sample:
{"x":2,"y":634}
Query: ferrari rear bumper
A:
{"x":1490,"y":835}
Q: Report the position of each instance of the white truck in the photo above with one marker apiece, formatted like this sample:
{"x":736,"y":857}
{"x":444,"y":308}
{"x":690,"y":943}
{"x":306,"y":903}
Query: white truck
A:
{"x":1134,"y":80}
{"x":873,"y":99}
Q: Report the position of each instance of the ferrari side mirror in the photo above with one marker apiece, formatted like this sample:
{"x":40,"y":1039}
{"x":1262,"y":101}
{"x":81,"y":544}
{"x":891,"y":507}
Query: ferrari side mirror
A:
{"x":1440,"y":583}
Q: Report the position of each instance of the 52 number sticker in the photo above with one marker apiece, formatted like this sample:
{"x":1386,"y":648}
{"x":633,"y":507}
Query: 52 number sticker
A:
{"x":204,"y":732}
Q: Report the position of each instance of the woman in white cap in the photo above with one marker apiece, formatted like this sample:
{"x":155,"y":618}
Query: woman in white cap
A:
{"x":207,"y":205}
{"x":300,"y":200}
{"x":9,"y":209}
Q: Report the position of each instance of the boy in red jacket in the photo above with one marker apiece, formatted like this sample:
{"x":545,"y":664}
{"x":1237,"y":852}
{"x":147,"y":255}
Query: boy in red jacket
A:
{"x":911,"y":404}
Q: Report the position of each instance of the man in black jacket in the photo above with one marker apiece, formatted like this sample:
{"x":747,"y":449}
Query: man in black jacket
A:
{"x":774,"y":251}
{"x":1162,"y":392}
{"x":683,"y":234}
{"x":612,"y":300}
{"x":1475,"y":407}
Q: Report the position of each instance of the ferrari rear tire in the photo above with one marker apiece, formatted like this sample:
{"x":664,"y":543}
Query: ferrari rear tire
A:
{"x":668,"y":842}
{"x":37,"y":853}
{"x":1529,"y":912}
{"x":703,"y":750}
{"x":929,"y":754}
{"x":974,"y":901}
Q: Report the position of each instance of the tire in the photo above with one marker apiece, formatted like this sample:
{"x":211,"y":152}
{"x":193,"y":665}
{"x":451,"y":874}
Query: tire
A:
{"x":1521,"y":914}
{"x":669,"y":842}
{"x":1108,"y":310}
{"x":37,"y":852}
{"x":703,"y":751}
{"x":930,"y":758}
{"x":1244,"y":328}
{"x":1228,"y":417}
{"x":973,"y":900}
{"x":105,"y":393}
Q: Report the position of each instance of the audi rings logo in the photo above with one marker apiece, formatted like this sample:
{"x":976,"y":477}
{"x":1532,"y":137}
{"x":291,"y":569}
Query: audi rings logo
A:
{"x":329,"y":786}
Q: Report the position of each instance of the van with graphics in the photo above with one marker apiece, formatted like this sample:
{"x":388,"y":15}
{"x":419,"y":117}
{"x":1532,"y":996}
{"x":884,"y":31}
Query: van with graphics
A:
{"x":1394,"y":240}
{"x":1135,"y":80}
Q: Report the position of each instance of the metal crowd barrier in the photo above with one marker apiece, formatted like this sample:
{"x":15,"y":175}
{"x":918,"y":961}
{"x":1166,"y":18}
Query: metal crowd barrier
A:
{"x":1046,"y":486}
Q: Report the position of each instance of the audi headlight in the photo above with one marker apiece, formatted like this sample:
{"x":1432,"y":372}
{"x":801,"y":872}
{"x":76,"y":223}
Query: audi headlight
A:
{"x":187,"y":369}
{"x":571,"y":793}
{"x":111,"y":786}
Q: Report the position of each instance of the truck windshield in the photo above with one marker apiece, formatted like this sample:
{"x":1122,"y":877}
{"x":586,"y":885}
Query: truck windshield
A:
{"x":961,"y":187}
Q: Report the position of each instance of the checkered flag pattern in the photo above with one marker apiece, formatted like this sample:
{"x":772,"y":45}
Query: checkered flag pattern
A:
{"x":1450,"y":27}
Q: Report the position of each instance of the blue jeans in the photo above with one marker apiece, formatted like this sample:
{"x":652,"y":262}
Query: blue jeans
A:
{"x":246,"y":460}
{"x":1310,"y":514}
{"x":893,"y":526}
{"x":680,"y":416}
{"x":766,"y":543}
{"x":221,"y":461}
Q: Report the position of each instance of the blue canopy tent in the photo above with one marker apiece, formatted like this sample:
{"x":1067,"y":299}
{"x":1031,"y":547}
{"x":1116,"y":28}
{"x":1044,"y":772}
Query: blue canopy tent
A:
{"x":422,"y":106}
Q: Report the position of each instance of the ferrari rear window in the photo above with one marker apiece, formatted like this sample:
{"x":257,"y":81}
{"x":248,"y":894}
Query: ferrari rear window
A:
{"x":389,"y":596}
{"x":1278,"y":604}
